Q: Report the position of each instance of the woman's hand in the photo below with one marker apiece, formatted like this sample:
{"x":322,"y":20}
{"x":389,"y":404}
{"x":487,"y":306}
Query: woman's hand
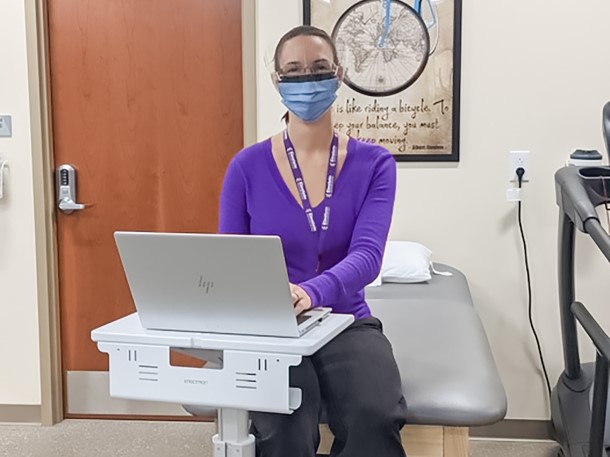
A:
{"x":300,"y":299}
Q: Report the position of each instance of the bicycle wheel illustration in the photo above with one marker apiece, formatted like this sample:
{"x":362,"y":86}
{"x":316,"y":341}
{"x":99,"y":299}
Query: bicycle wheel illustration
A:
{"x":426,"y":9}
{"x":383,"y":54}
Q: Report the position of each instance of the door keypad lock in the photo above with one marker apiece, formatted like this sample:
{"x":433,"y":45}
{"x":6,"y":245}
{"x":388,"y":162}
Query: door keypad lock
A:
{"x":66,"y":189}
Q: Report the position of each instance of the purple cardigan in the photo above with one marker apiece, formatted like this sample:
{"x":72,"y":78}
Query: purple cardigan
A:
{"x":256,"y":200}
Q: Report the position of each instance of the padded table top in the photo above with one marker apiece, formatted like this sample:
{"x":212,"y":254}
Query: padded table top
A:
{"x":449,"y":376}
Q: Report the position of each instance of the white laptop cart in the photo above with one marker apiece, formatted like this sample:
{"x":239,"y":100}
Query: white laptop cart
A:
{"x":246,"y":373}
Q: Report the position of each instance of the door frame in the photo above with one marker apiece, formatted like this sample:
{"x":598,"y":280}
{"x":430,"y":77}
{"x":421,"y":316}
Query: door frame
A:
{"x":36,"y":17}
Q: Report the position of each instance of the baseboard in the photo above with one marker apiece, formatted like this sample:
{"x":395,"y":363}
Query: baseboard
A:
{"x":515,"y":429}
{"x":20,"y":414}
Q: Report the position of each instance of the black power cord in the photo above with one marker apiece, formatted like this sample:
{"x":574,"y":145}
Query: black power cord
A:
{"x":520,"y":172}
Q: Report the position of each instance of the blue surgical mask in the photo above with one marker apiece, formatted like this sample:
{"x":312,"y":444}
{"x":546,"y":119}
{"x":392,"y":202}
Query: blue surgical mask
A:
{"x":309,"y":99}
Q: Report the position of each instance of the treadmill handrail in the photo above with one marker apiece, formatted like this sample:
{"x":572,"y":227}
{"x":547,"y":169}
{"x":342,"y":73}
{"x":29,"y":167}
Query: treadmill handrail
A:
{"x":598,"y":234}
{"x":577,"y":197}
{"x":606,"y":126}
{"x":589,"y":324}
{"x":572,"y":197}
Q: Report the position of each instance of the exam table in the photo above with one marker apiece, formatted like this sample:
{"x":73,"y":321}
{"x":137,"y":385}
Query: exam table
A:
{"x":449,"y":377}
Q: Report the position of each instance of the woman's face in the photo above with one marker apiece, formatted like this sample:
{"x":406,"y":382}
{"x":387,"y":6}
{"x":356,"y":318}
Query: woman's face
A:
{"x":305,"y":55}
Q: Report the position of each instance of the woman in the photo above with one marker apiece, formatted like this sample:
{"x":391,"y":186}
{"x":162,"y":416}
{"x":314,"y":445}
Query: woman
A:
{"x":285,"y":186}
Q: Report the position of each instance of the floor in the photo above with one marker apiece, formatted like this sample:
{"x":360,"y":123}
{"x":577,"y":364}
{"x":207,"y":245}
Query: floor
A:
{"x":90,"y":438}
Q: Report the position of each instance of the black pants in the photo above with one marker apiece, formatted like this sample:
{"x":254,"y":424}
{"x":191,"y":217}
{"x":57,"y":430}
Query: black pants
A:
{"x":356,"y":377}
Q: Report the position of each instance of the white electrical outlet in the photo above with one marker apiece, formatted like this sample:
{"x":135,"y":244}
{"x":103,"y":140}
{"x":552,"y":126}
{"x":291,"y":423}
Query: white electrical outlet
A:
{"x":518,"y":159}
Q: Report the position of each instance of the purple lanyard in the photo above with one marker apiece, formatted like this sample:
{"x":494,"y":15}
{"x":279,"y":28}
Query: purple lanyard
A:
{"x":328,"y":193}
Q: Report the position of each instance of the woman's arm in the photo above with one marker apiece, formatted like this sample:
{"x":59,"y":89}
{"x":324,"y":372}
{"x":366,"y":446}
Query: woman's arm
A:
{"x":363,"y":261}
{"x":233,"y":217}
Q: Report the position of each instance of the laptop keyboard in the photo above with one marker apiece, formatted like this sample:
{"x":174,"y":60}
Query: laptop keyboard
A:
{"x":302,"y":318}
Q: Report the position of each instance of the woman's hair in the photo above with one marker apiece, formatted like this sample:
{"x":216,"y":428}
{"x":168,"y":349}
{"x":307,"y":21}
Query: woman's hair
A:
{"x":302,"y":30}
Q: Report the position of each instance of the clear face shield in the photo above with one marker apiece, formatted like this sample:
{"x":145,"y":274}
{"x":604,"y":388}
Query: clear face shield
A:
{"x":300,"y":65}
{"x":306,"y":76}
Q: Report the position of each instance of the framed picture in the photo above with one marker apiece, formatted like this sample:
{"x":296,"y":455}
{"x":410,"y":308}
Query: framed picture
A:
{"x":401,"y":86}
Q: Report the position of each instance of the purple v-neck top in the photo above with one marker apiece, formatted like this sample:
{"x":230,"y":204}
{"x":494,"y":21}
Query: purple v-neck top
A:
{"x":256,"y":200}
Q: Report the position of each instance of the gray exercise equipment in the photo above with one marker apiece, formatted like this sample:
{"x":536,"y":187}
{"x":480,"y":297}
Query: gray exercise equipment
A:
{"x":579,"y":401}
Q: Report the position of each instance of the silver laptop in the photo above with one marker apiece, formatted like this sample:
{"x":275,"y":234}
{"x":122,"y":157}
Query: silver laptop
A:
{"x":212,"y":283}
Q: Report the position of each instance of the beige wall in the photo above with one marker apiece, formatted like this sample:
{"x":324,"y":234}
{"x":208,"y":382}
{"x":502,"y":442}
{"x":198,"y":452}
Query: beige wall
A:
{"x":533,"y":77}
{"x":19,"y":340}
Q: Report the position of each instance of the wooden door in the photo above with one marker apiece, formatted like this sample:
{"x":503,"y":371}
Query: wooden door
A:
{"x":147,"y":106}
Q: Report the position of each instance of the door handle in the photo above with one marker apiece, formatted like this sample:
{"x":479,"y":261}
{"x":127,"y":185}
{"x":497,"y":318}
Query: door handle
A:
{"x":66,"y":189}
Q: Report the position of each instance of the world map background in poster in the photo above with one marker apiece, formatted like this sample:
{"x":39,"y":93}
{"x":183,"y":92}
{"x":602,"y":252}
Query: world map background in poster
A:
{"x":401,"y":83}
